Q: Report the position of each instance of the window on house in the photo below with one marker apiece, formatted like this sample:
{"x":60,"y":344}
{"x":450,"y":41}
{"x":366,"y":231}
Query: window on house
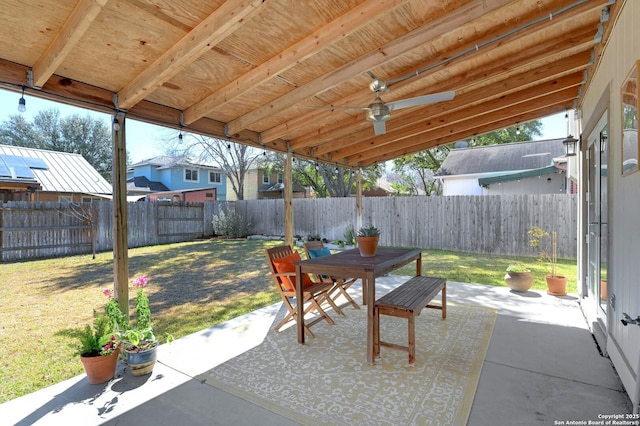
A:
{"x":280,"y":178}
{"x":191,"y":175}
{"x":215,"y":177}
{"x":64,"y":199}
{"x":265,"y":176}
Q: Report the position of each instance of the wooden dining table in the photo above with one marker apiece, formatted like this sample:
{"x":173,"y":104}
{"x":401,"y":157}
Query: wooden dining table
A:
{"x":349,"y":264}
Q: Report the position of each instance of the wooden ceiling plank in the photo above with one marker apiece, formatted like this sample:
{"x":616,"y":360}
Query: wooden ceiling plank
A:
{"x":394,"y":49}
{"x":513,"y":60}
{"x":77,"y":23}
{"x":220,"y":24}
{"x":339,"y":28}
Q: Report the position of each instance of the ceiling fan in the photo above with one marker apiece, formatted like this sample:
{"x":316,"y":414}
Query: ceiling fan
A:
{"x":379,"y":111}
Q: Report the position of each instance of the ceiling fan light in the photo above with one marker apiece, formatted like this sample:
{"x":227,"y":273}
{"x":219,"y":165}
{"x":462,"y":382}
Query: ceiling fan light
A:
{"x":378,"y":112}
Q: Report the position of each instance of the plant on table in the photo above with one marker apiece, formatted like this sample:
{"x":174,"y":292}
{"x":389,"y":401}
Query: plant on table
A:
{"x":368,"y":237}
{"x":368,"y":231}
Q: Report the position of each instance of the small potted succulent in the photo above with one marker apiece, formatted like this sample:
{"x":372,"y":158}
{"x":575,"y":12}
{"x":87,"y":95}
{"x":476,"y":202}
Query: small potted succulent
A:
{"x":99,"y":349}
{"x":367,"y":239}
{"x":518,"y":277}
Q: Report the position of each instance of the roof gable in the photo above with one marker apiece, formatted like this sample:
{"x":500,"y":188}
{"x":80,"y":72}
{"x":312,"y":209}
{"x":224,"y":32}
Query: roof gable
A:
{"x":500,"y":158}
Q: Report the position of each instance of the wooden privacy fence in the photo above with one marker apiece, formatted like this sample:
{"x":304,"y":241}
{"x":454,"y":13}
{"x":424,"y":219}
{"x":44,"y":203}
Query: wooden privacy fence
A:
{"x":480,"y":224}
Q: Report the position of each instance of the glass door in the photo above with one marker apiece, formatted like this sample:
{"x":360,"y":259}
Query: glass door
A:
{"x":597,"y":248}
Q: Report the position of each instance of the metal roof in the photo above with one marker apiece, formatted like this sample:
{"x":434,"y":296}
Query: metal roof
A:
{"x":65,"y":172}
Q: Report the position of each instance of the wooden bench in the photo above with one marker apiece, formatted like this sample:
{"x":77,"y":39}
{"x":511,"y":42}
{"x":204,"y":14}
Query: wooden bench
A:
{"x":407,"y":301}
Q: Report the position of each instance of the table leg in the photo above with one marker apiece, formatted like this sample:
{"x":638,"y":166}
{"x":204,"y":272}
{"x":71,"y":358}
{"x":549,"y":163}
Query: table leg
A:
{"x":371,"y":323}
{"x":419,"y":265}
{"x":299,"y":306}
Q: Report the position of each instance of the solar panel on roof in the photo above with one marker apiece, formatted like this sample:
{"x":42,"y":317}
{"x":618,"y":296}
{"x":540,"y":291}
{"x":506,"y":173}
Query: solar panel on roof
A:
{"x":12,"y":160}
{"x":4,"y":170}
{"x":36,"y":163}
{"x":16,"y":167}
{"x":24,"y":172}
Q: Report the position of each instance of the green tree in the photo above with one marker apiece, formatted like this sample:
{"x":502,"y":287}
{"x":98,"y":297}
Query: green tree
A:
{"x":87,"y":136}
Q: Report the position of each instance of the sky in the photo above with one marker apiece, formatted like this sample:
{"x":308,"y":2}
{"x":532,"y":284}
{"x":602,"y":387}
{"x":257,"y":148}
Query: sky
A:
{"x":147,"y":140}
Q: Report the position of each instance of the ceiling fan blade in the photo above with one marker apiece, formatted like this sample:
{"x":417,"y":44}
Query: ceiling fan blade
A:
{"x":379,"y":128}
{"x":421,"y":100}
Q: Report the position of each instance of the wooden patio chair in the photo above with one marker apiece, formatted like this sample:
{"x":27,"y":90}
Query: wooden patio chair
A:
{"x":340,"y":285}
{"x":281,"y":261}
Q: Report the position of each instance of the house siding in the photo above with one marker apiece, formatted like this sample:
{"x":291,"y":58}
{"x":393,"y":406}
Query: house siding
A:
{"x":621,"y":53}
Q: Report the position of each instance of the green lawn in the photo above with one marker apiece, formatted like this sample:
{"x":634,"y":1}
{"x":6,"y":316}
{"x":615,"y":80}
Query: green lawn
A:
{"x":192,"y":286}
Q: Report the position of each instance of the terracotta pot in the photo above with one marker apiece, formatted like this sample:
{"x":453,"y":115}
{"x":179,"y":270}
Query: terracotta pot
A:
{"x":556,"y":285}
{"x":367,"y":246}
{"x":519,"y":281}
{"x":100,"y":368}
{"x":142,"y":362}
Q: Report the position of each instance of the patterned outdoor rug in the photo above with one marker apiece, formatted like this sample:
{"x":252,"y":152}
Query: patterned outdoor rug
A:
{"x":327,"y":380}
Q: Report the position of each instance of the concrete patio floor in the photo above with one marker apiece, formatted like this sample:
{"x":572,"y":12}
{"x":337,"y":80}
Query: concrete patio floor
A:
{"x":542,"y":368}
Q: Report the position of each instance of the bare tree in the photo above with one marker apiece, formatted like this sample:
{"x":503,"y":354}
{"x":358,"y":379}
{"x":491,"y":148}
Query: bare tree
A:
{"x":233,"y":158}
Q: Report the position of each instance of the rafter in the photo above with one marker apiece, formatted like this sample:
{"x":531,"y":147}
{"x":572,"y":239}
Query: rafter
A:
{"x":530,"y":45}
{"x":524,"y":85}
{"x":339,"y":28}
{"x":394,"y":49}
{"x":78,"y":22}
{"x":216,"y":27}
{"x":494,"y":114}
{"x":479,"y":129}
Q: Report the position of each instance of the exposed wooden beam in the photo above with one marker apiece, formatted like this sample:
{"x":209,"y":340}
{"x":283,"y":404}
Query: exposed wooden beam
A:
{"x":478,"y":128}
{"x":336,"y":30}
{"x":528,"y":46}
{"x":75,"y":93}
{"x":457,"y":18}
{"x":78,"y":22}
{"x":216,"y":27}
{"x":523,"y":86}
{"x":472,"y":124}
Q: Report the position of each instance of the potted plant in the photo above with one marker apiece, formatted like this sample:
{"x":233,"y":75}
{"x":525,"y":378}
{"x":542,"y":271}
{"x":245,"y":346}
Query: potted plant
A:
{"x":556,"y":284}
{"x":138,"y":341}
{"x":99,"y":349}
{"x":367,"y":239}
{"x":518,"y":277}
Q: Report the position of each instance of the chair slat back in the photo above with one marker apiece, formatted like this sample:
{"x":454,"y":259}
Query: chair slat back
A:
{"x":277,"y":253}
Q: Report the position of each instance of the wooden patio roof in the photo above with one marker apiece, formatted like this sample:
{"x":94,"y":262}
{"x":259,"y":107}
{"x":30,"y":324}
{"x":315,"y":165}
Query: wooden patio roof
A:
{"x":253,"y":71}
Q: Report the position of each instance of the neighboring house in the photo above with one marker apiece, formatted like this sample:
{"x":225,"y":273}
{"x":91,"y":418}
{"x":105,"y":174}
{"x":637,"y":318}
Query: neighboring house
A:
{"x":30,"y":174}
{"x":178,"y":175}
{"x":261,"y":184}
{"x":535,"y":167}
{"x":184,"y":195}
